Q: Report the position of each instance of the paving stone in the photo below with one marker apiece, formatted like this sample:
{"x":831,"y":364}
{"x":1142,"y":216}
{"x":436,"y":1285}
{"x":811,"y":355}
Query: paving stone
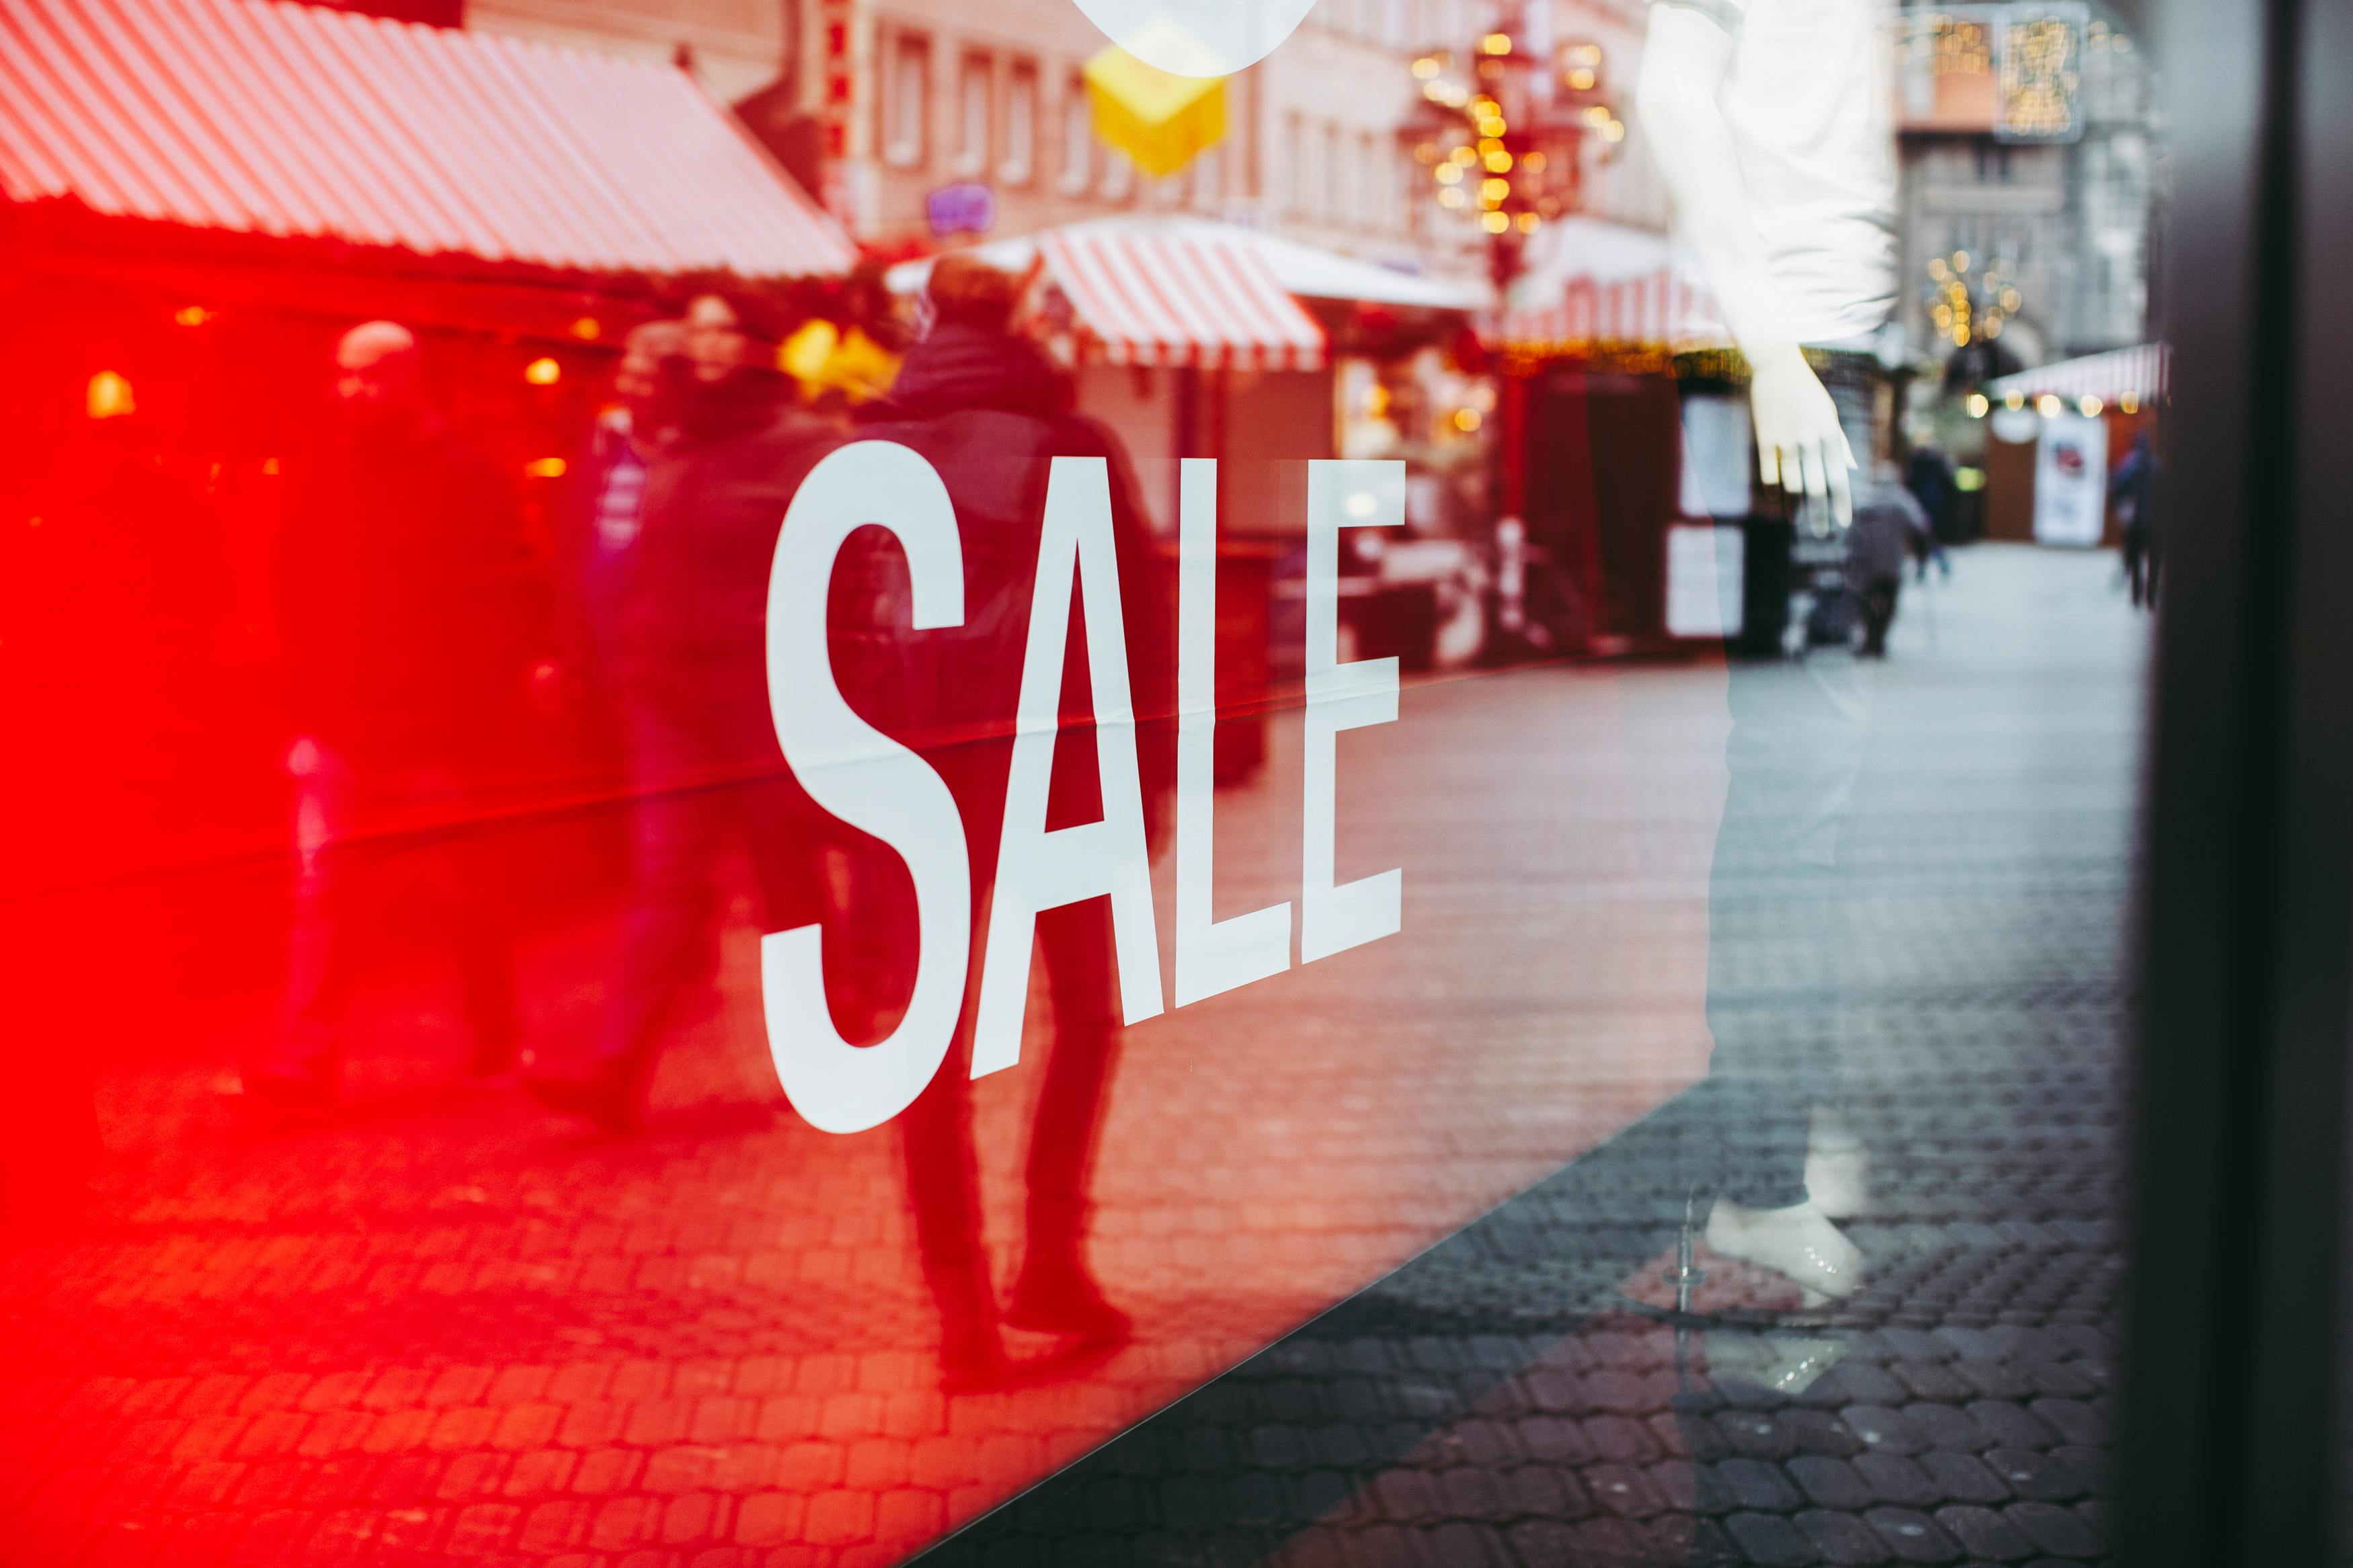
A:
{"x":1843,"y":1539}
{"x":1962,"y":1478}
{"x":1884,"y":1431}
{"x":1770,"y":1541}
{"x":1898,"y":1479}
{"x":2061,"y":1531}
{"x":1832,"y":1483}
{"x":1985,"y":1534}
{"x":1913,"y":1537}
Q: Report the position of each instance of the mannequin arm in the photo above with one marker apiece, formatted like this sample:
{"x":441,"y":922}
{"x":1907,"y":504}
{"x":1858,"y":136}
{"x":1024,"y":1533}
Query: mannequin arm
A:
{"x":1685,"y":57}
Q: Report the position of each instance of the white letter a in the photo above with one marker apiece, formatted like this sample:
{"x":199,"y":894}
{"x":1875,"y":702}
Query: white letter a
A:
{"x":1038,"y":870}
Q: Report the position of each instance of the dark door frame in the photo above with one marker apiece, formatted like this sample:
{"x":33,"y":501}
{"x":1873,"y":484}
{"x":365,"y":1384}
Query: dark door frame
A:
{"x":2228,"y":1422}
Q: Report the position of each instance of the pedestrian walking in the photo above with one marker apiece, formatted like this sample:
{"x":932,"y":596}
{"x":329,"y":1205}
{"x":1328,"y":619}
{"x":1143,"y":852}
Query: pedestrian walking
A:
{"x":988,"y":408}
{"x":2135,"y":489}
{"x":409,"y":618}
{"x":1891,"y":532}
{"x":704,"y":767}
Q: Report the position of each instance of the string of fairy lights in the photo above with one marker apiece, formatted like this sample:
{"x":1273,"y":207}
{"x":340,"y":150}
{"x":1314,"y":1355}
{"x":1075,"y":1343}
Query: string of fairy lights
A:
{"x":1510,"y":175}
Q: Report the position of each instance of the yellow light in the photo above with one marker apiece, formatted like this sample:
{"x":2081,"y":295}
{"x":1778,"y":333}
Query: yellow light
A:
{"x":1496,"y":44}
{"x":2128,"y":403}
{"x":1494,"y":190}
{"x":1426,"y":67}
{"x":1534,"y":162}
{"x":108,"y":396}
{"x":192,"y":315}
{"x":1467,"y":419}
{"x":272,"y":466}
{"x":1449,"y":174}
{"x":1960,"y":336}
{"x":542,"y":372}
{"x":1960,"y":261}
{"x":1993,"y":327}
{"x":1528,"y":222}
{"x":1425,"y":152}
{"x":2089,"y":406}
{"x":545,"y":468}
{"x":588,"y":329}
{"x":1434,"y":90}
{"x":1979,"y":404}
{"x":1937,"y":270}
{"x":2010,"y":299}
{"x":1465,"y":156}
{"x":1597,"y":114}
{"x":1582,"y":77}
{"x":1496,"y":223}
{"x":2048,"y":405}
{"x":1451,"y":197}
{"x":2013,"y":400}
{"x":1499,"y":163}
{"x":1585,"y":55}
{"x":1491,"y":125}
{"x":1614,"y":131}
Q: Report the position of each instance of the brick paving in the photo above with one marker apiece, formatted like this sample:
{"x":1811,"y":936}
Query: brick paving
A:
{"x":445,"y":1326}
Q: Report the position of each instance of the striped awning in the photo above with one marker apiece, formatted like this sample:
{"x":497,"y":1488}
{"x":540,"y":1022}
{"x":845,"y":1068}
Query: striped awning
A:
{"x":1653,"y":308}
{"x":2136,"y":375}
{"x":1591,"y":283}
{"x":272,"y":118}
{"x":1191,"y":296}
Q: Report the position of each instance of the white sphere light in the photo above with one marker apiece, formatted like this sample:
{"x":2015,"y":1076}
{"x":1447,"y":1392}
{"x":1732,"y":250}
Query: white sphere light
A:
{"x":1197,"y":38}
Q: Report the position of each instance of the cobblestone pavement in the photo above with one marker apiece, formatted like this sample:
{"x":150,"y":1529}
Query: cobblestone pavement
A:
{"x":1504,"y":1400}
{"x":444,"y":1326}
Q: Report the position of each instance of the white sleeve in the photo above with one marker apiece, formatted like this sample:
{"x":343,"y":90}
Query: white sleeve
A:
{"x":1725,"y":14}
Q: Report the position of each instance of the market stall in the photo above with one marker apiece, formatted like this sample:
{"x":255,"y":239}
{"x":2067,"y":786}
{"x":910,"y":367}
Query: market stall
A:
{"x":2053,"y":434}
{"x":200,"y":196}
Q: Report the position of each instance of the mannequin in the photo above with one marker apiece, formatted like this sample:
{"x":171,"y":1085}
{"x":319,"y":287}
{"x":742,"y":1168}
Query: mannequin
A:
{"x":1766,"y":119}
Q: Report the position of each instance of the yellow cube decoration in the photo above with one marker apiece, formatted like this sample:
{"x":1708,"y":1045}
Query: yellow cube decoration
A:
{"x":1159,"y":119}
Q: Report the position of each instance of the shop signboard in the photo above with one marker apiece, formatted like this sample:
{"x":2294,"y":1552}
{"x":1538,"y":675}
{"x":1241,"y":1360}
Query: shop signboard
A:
{"x":2071,"y":481}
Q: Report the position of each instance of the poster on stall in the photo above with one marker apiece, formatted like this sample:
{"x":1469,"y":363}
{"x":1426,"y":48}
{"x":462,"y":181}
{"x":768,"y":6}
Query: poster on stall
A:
{"x":2071,"y":482}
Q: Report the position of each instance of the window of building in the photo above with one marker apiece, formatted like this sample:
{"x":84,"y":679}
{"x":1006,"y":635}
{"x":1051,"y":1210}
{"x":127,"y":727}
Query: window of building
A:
{"x":972,"y":114}
{"x":906,"y":93}
{"x":1118,"y":175}
{"x":1078,"y":137}
{"x":1021,"y":124}
{"x":1330,"y":175}
{"x":1368,"y":184}
{"x":1209,"y":177}
{"x":1294,"y":165}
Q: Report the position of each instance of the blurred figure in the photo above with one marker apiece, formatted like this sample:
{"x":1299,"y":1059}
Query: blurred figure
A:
{"x":1928,"y":475}
{"x":2134,"y":488}
{"x":1891,"y":530}
{"x":989,"y":410}
{"x":406,"y":617}
{"x":610,"y":506}
{"x":703,"y":761}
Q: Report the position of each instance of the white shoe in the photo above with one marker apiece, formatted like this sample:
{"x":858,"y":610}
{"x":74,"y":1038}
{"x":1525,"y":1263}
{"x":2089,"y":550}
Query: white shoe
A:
{"x":1838,"y":1167}
{"x":1799,"y":1243}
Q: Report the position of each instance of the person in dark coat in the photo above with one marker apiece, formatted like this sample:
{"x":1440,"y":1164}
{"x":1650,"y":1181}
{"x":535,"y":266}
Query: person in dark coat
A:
{"x":988,"y":408}
{"x":2135,"y":491}
{"x":1891,"y":530}
{"x":409,"y":617}
{"x":704,"y":765}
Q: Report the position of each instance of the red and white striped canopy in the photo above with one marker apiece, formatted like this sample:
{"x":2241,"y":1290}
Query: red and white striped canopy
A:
{"x":274,"y":119}
{"x":1189,"y":297}
{"x":1590,"y":282}
{"x":2137,"y":373}
{"x":1654,"y":308}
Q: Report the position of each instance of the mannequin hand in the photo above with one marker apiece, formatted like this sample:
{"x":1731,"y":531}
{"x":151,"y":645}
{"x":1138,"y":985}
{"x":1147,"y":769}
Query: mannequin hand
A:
{"x":1800,"y":443}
